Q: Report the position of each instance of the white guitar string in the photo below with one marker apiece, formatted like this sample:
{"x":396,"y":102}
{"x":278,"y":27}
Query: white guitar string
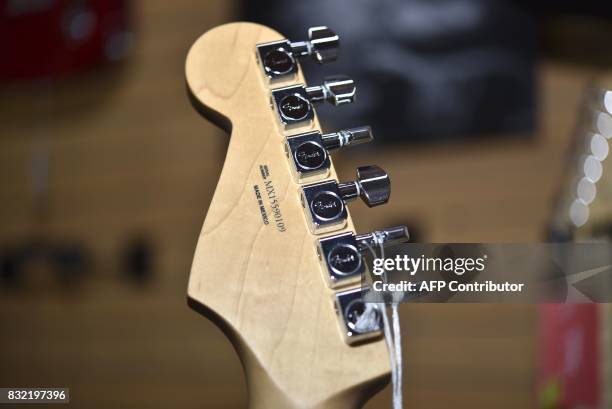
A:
{"x":396,"y":351}
{"x":398,"y":398}
{"x":393,"y":338}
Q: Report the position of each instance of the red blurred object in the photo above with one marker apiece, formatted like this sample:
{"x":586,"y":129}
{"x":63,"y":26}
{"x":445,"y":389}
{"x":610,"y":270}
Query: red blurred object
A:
{"x":571,"y":362}
{"x":50,"y":38}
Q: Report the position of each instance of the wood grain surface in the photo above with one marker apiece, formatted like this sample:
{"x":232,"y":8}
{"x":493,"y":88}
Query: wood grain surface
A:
{"x":260,"y":282}
{"x":129,"y":156}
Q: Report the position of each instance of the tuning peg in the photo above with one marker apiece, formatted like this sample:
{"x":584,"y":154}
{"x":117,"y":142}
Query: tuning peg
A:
{"x":386,"y":237}
{"x":308,"y":152}
{"x":372,"y":185}
{"x":277,"y":58}
{"x":347,"y":137}
{"x":324,"y":202}
{"x":325,"y":44}
{"x":341,"y":255}
{"x":337,"y":90}
{"x":293,"y":104}
{"x":359,"y":321}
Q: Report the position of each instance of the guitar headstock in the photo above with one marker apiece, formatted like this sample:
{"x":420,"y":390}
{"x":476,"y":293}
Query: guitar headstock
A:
{"x":282,"y":291}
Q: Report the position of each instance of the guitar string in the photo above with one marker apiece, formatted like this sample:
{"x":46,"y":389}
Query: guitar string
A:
{"x":397,"y":340}
{"x":396,"y":351}
{"x":393,"y":336}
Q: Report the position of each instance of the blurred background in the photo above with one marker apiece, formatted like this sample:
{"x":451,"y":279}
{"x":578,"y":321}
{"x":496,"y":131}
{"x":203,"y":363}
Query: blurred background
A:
{"x":488,"y":115}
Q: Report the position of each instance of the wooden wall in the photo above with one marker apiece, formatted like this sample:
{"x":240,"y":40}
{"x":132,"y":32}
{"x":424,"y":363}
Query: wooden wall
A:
{"x":129,"y":156}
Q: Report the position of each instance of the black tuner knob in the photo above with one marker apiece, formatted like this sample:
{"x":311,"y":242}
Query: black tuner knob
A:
{"x":372,"y":185}
{"x":278,"y":58}
{"x":338,"y":90}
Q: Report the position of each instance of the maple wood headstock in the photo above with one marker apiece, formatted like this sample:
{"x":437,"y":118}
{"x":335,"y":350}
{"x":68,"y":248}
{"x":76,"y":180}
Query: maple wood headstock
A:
{"x":256,"y":272}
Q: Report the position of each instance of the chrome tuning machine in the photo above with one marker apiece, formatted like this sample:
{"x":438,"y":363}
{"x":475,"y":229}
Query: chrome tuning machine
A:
{"x":293,"y":104}
{"x":341,"y":255}
{"x":359,"y":321}
{"x":277,"y":59}
{"x":308,"y":152}
{"x":324,"y":202}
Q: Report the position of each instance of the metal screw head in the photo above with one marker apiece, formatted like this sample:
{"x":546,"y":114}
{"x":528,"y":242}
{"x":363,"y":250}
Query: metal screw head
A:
{"x":327,"y":205}
{"x":395,"y":235}
{"x":374,"y":185}
{"x":344,"y":259}
{"x":325,"y":44}
{"x":294,"y":107}
{"x":278,"y":61}
{"x":310,"y":155}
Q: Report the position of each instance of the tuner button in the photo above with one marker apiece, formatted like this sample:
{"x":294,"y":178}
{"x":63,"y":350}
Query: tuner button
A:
{"x":325,"y":44}
{"x":374,"y":185}
{"x":396,"y":234}
{"x":355,"y":136}
{"x":347,"y":137}
{"x":386,"y":237}
{"x":339,"y":90}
